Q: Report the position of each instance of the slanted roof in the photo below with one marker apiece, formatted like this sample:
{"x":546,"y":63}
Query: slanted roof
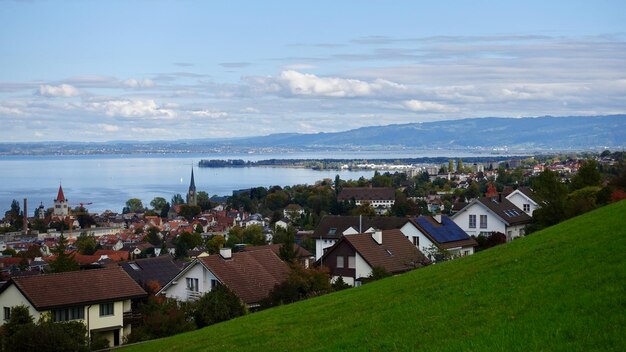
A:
{"x":341,"y":223}
{"x":302,"y":253}
{"x":445,"y":234}
{"x":506,"y":210}
{"x":60,"y":195}
{"x":76,"y":288}
{"x":528,"y":192}
{"x":367,"y":193}
{"x":396,"y":253}
{"x":160,"y":269}
{"x":251,"y":275}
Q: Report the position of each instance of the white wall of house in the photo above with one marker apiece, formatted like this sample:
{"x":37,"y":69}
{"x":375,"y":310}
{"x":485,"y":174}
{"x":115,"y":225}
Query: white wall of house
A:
{"x":513,"y":232}
{"x":494,"y":223}
{"x":409,"y":230}
{"x":348,"y":280}
{"x":179,"y":290}
{"x":362,"y":269}
{"x":12,"y":297}
{"x":320,"y":245}
{"x":519,"y":199}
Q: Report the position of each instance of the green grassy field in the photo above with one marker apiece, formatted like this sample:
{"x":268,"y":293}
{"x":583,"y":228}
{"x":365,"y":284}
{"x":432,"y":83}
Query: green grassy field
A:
{"x":563,"y":289}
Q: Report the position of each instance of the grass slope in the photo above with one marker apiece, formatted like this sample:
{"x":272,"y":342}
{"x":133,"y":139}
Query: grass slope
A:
{"x":563,"y":288}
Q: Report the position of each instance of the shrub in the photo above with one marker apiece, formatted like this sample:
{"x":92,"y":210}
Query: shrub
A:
{"x":220,"y":304}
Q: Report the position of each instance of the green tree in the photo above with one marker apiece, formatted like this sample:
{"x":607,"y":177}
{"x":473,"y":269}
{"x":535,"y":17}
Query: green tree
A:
{"x":254,"y":235}
{"x":450,"y":165}
{"x":378,"y":272}
{"x":301,"y":283}
{"x":189,"y":211}
{"x":86,"y":244}
{"x":288,"y":251}
{"x":133,"y":205}
{"x":587,"y":176}
{"x":152,"y":236}
{"x":364,"y":209}
{"x":219,"y":304}
{"x":204,"y":202}
{"x":459,"y":166}
{"x":552,"y":196}
{"x":64,"y":261}
{"x":215,"y":243}
{"x":158,"y":204}
{"x":177,"y":199}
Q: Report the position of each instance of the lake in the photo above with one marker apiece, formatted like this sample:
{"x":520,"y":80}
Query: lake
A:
{"x":108,"y":181}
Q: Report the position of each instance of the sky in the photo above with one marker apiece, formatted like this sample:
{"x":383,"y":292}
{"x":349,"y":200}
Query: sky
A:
{"x":165,"y":70}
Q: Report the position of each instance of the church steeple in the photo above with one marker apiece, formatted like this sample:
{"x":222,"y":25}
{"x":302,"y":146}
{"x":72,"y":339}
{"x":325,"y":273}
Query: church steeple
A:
{"x":60,"y":204}
{"x":191,"y":194}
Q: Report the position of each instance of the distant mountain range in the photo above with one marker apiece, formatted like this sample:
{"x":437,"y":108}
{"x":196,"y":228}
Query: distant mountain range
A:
{"x":516,"y":134}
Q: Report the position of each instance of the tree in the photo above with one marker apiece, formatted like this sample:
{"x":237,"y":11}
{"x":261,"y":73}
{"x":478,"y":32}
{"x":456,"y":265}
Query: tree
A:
{"x":219,"y":304}
{"x":158,"y":204}
{"x":64,"y":261}
{"x":204,"y":202}
{"x":301,"y":283}
{"x":460,"y":165}
{"x":378,"y":272}
{"x":587,"y":176}
{"x":152,"y":236}
{"x":339,"y":284}
{"x":86,"y":244}
{"x":189,"y":211}
{"x":288,"y":251}
{"x":177,"y":199}
{"x":552,"y":196}
{"x":450,"y":165}
{"x":254,"y":235}
{"x":14,"y":216}
{"x":337,"y":184}
{"x":364,"y":209}
{"x":133,"y":205}
{"x":215,"y":243}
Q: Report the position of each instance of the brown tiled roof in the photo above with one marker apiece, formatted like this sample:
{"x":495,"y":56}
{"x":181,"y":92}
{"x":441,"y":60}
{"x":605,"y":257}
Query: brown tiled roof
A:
{"x":276,"y":249}
{"x":396,"y":253}
{"x":251,"y":275}
{"x":366,"y":193}
{"x":506,"y":210}
{"x":77,"y":288}
{"x":342,"y":223}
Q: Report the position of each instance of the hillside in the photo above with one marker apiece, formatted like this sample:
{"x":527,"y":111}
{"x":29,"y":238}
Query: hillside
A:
{"x":563,"y":288}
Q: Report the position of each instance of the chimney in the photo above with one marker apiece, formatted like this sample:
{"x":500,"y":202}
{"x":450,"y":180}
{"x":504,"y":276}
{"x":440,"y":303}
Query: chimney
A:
{"x":437,"y":218}
{"x":378,"y":236}
{"x":226,"y":253}
{"x":25,"y":225}
{"x":500,"y":197}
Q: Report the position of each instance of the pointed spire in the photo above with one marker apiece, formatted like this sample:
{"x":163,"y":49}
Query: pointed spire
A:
{"x":60,"y":195}
{"x":192,"y":186}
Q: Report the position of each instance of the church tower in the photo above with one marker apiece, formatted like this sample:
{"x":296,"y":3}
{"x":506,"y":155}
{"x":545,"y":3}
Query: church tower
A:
{"x":60,"y":204}
{"x":191,"y":194}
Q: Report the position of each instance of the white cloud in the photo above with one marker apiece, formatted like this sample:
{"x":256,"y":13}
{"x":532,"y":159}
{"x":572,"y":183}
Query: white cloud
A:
{"x":250,"y":110}
{"x":306,"y":84}
{"x":132,"y":108}
{"x":148,"y":130}
{"x":63,"y":90}
{"x":299,"y":67}
{"x":108,"y":128}
{"x":208,"y":113}
{"x":5,"y":110}
{"x":427,"y":106}
{"x":138,"y":83}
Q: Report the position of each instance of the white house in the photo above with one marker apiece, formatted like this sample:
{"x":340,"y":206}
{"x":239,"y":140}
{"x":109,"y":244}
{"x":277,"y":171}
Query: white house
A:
{"x":490,"y":215}
{"x":427,"y":233}
{"x":100,"y":298}
{"x":524,"y":199}
{"x":251,"y":275}
{"x":377,"y":197}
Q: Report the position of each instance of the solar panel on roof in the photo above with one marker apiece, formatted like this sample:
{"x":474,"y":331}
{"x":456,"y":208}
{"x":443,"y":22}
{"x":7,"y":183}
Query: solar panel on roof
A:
{"x":448,"y":231}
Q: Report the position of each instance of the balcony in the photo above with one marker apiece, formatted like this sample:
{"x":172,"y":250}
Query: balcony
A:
{"x":131,"y":318}
{"x":193,"y":295}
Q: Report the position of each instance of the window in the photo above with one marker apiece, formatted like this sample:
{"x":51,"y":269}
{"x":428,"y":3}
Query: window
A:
{"x":472,"y":221}
{"x":526,"y":208}
{"x":214,"y":283}
{"x":340,"y":261}
{"x":106,"y":309}
{"x":416,"y":241}
{"x":483,"y":221}
{"x":192,"y":284}
{"x":466,"y":253}
{"x":7,"y":313}
{"x":65,"y":314}
{"x":351,"y":262}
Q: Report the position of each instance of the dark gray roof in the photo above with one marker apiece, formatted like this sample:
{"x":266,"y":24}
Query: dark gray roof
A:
{"x":161,"y":269}
{"x":366,"y":193}
{"x":506,"y":210}
{"x":332,"y":226}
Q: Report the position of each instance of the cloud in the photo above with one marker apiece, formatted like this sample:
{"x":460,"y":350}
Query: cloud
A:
{"x":427,"y":106}
{"x":147,"y":108}
{"x":141,"y":83}
{"x":208,"y":113}
{"x":183,"y":64}
{"x":63,"y":90}
{"x":235,"y":64}
{"x":250,"y":110}
{"x":108,"y":128}
{"x":306,"y":84}
{"x":299,"y":67}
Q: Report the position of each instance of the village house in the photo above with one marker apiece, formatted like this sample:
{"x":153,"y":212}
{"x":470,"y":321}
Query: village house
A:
{"x":100,"y":298}
{"x":488,"y":215}
{"x":525,"y":199}
{"x":250,"y":275}
{"x":354,"y":256}
{"x":430,"y":233}
{"x":379,"y":198}
{"x":159,"y":270}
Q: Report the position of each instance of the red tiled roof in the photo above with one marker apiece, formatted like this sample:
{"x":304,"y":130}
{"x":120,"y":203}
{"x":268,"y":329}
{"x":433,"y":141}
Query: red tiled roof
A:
{"x":77,"y":288}
{"x":60,"y":195}
{"x":117,"y":256}
{"x":276,"y":249}
{"x":396,"y":253}
{"x":251,"y":275}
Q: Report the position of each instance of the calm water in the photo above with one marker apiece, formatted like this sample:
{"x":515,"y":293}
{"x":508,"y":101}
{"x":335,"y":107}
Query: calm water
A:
{"x":109,"y":180}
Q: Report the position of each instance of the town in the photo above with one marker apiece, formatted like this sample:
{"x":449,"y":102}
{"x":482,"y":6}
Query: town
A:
{"x":115,"y":274}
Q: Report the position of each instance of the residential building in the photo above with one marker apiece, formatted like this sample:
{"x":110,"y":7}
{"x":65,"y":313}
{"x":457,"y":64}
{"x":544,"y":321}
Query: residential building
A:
{"x":250,"y":275}
{"x":428,"y":233}
{"x":354,"y":256}
{"x":487,"y":215}
{"x":379,"y":198}
{"x":156,"y":269}
{"x":100,"y":298}
{"x":525,"y":199}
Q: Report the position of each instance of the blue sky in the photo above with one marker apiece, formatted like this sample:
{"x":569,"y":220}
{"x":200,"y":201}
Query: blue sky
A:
{"x":144,"y":70}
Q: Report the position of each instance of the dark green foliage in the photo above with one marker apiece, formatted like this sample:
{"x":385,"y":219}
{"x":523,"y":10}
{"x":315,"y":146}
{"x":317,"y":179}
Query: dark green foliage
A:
{"x":587,"y":176}
{"x":86,"y":244}
{"x":64,"y":261}
{"x":152,"y":236}
{"x":158,"y":204}
{"x":302,"y":283}
{"x":133,"y":205}
{"x":189,"y":211}
{"x":492,"y":240}
{"x":220,"y":304}
{"x":552,"y":196}
{"x":203,"y":201}
{"x":177,"y":199}
{"x":162,"y":317}
{"x":339,"y":284}
{"x":378,"y":272}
